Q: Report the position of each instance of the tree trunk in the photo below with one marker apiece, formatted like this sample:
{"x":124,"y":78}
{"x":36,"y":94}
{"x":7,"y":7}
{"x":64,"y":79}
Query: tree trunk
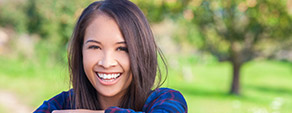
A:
{"x":236,"y":60}
{"x":235,"y":86}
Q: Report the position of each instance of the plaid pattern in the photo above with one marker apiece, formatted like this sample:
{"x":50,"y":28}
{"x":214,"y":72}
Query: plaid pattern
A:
{"x":161,"y":100}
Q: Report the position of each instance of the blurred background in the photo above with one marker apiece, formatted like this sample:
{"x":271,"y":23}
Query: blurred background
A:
{"x":225,"y":56}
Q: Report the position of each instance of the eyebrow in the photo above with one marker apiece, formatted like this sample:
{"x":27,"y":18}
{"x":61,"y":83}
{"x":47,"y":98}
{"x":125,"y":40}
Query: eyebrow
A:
{"x":94,"y":41}
{"x":123,"y":42}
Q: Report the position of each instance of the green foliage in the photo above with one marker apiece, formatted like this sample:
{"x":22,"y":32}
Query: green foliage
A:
{"x":157,"y":10}
{"x":11,"y":15}
{"x":147,"y":7}
{"x":53,"y":20}
{"x":245,"y":23}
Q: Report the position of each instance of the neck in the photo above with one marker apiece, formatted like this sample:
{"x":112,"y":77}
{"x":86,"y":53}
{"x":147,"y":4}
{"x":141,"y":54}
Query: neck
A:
{"x":106,"y":102}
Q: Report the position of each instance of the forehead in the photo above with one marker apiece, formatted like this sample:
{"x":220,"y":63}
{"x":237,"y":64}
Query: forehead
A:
{"x":103,"y":28}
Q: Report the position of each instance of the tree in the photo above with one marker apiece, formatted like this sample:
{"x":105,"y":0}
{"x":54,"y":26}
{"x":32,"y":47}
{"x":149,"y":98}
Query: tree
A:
{"x":241,"y":26}
{"x":236,"y":31}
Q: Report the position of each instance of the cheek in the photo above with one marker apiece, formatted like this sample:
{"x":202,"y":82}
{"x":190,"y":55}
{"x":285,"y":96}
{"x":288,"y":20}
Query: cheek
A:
{"x":124,"y":60}
{"x":89,"y":60}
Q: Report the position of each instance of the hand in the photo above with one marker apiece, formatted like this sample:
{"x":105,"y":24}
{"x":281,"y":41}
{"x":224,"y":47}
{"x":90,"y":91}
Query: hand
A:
{"x":78,"y":111}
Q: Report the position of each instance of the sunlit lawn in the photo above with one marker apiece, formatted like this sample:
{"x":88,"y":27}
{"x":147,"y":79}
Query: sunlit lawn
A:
{"x":266,"y":88}
{"x":266,"y":85}
{"x":33,"y":82}
{"x":3,"y":109}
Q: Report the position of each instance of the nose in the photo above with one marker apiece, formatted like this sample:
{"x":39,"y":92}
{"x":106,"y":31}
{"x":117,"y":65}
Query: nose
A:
{"x":107,"y":61}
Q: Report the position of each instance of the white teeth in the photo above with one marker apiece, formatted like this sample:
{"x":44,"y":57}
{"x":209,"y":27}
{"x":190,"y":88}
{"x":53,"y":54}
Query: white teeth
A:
{"x":108,"y":76}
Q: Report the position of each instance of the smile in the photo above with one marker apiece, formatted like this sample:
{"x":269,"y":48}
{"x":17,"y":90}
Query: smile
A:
{"x":108,"y":77}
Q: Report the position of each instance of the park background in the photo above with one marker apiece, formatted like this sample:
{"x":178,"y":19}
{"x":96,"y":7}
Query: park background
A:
{"x":225,"y":56}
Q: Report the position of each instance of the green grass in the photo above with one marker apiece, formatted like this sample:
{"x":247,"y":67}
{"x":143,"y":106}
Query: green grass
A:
{"x":3,"y":109}
{"x":33,"y":82}
{"x":266,"y":86}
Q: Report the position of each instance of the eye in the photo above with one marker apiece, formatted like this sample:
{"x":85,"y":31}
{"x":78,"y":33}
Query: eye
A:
{"x":93,"y":47}
{"x":122,"y":49}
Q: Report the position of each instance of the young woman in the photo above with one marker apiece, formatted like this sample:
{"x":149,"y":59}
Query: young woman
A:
{"x":113,"y":64}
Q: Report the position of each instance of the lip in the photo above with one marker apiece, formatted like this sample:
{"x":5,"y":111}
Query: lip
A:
{"x":109,"y":72}
{"x":108,"y":83}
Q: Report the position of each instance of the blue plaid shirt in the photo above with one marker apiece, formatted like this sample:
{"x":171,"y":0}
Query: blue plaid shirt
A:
{"x":160,"y":100}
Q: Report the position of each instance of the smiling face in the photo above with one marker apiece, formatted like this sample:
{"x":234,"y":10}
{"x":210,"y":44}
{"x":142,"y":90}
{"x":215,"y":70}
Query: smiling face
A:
{"x":105,"y":57}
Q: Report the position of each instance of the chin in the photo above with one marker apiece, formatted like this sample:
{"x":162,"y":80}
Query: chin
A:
{"x":110,"y":92}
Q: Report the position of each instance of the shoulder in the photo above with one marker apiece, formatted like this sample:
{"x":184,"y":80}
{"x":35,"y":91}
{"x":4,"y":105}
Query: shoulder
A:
{"x":165,"y":93}
{"x":165,"y":99}
{"x":164,"y":90}
{"x":60,"y":101}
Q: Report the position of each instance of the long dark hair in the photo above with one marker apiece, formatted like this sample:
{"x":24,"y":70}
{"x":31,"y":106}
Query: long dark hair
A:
{"x":142,"y":49}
